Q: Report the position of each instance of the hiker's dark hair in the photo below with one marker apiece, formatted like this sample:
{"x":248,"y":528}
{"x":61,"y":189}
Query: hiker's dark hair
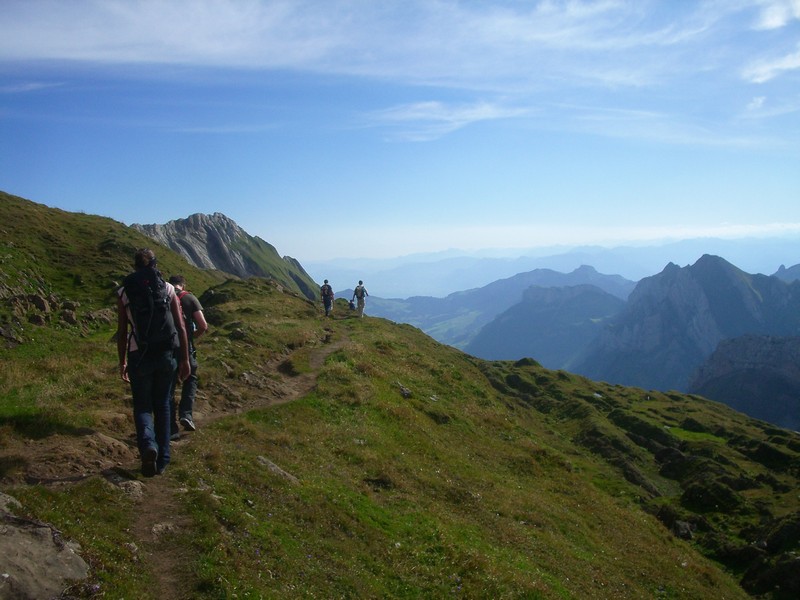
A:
{"x":144,"y":257}
{"x":178,"y":280}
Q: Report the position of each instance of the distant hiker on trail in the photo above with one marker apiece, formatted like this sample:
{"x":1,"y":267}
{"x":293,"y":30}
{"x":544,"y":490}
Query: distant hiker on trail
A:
{"x":327,"y":297}
{"x":196,"y":326}
{"x":360,"y":294}
{"x":150,"y":331}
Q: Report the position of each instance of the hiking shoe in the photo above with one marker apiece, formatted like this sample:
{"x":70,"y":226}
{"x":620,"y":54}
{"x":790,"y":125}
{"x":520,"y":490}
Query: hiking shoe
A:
{"x":175,"y":436}
{"x":188,"y":424}
{"x":149,"y":458}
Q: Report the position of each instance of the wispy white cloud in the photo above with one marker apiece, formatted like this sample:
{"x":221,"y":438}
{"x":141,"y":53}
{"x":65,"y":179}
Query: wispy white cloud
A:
{"x":27,"y":87}
{"x":445,"y":42}
{"x":756,"y":103}
{"x":223,"y":129}
{"x":247,"y":33}
{"x":775,"y":14}
{"x":762,"y":108}
{"x":425,"y":121}
{"x":529,"y":52}
{"x":764,"y":70}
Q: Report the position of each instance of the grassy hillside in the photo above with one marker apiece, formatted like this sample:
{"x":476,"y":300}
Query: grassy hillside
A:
{"x":76,"y":256}
{"x":354,"y":457}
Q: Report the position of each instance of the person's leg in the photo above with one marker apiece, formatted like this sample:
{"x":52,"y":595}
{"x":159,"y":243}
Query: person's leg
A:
{"x":163,"y":376}
{"x":141,"y":377}
{"x":188,"y":393}
{"x":174,"y":427}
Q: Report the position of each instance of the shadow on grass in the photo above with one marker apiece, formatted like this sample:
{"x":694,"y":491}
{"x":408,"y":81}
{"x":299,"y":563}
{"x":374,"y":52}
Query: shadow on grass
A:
{"x":38,"y":426}
{"x":11,"y":464}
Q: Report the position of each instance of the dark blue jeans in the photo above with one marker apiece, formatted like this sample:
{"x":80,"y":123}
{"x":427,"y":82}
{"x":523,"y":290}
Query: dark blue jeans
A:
{"x":151,"y":378}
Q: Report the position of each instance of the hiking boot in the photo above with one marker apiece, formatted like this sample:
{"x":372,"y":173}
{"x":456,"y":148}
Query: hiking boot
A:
{"x":149,"y":458}
{"x":188,"y":424}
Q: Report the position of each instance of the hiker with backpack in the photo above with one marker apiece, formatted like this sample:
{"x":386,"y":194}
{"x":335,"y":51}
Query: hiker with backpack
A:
{"x":196,"y":326}
{"x":360,"y":294}
{"x":326,"y":291}
{"x":150,"y":331}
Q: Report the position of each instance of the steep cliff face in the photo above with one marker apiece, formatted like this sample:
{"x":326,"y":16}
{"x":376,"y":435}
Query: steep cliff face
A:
{"x":207,"y":241}
{"x":676,"y":319}
{"x":217,"y":242}
{"x":756,"y":375}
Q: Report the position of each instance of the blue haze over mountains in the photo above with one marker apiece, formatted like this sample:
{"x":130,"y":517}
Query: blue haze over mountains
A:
{"x":659,"y":333}
{"x":440,"y":274}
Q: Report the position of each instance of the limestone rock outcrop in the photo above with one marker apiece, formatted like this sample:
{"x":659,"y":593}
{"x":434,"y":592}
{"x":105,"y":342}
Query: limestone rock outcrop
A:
{"x":217,"y":242}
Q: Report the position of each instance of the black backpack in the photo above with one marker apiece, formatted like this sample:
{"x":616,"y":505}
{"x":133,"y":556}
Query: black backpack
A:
{"x":153,"y":326}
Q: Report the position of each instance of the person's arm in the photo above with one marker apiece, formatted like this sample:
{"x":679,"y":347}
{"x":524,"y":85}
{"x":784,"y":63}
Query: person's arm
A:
{"x":122,"y":339}
{"x":184,"y":368}
{"x":200,"y":323}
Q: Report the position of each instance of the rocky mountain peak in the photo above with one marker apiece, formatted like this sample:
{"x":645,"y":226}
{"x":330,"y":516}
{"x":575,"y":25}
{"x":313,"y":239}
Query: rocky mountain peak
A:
{"x":206,"y":241}
{"x":674,"y":320}
{"x":217,"y":242}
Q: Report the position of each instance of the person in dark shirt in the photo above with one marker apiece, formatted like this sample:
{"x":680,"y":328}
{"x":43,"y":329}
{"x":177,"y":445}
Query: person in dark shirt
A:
{"x":196,"y":326}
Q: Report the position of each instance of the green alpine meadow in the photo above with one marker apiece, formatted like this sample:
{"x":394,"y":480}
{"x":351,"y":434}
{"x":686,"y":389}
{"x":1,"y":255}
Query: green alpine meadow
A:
{"x":359,"y":458}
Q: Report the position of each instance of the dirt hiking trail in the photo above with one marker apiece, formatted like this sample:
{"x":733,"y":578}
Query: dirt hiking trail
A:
{"x":162,"y":515}
{"x":61,"y":460}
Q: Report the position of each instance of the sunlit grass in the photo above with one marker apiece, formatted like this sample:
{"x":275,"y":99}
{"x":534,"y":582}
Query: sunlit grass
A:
{"x":410,"y":470}
{"x":95,"y":515}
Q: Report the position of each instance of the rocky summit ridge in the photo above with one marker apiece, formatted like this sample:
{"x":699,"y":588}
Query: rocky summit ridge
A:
{"x":673,"y":321}
{"x":204,"y":240}
{"x":217,"y":242}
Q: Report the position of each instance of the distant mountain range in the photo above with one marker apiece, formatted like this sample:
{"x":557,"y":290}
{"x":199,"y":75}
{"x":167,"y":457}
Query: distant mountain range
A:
{"x":673,"y":321}
{"x":655,"y":334}
{"x":217,"y":242}
{"x":443,"y":273}
{"x":457,"y":318}
{"x":553,"y":324}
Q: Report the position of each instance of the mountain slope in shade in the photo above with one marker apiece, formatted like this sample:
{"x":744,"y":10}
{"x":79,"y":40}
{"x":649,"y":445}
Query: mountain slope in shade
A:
{"x":217,"y":242}
{"x":756,"y":375}
{"x":674,"y":321}
{"x":457,"y":319}
{"x":552,"y":325}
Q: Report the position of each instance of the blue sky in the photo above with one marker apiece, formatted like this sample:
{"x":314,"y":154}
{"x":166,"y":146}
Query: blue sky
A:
{"x":369,"y":128}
